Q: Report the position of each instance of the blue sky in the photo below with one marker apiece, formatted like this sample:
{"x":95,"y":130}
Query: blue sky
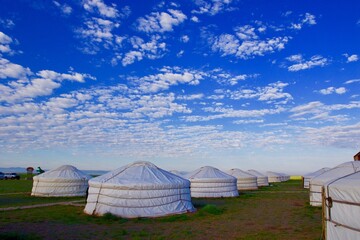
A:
{"x":266,"y":85}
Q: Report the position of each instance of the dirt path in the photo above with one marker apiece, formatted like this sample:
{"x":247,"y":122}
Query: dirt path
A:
{"x":73,"y":203}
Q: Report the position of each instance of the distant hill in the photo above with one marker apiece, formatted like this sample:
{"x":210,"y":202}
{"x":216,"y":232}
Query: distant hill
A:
{"x":13,"y":169}
{"x":23,"y":170}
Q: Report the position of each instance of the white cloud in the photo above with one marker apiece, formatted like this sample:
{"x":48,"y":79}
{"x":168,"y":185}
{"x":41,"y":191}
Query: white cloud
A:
{"x":169,"y":77}
{"x":180,"y":53}
{"x":99,"y":6}
{"x":131,"y":57}
{"x":161,"y":22}
{"x":7,"y":23}
{"x":185,"y":38}
{"x":330,"y":90}
{"x":5,"y":42}
{"x":308,"y":19}
{"x":351,"y":58}
{"x":72,"y":76}
{"x":65,"y":9}
{"x":318,"y":110}
{"x":246,"y":45}
{"x":226,"y":78}
{"x":336,"y":135}
{"x":352,"y":81}
{"x":246,"y":32}
{"x":272,"y":92}
{"x":12,"y":70}
{"x":194,"y":19}
{"x":153,"y":49}
{"x":191,"y":97}
{"x":212,"y":7}
{"x":28,"y":87}
{"x":309,"y":108}
{"x":232,"y":113}
{"x":301,"y":64}
{"x":248,"y":121}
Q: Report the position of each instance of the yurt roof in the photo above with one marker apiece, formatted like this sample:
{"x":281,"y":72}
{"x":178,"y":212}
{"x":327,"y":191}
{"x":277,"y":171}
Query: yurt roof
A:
{"x":273,"y":174}
{"x":320,"y":171}
{"x":207,"y":172}
{"x":140,"y":175}
{"x":256,"y":173}
{"x":238,"y":173}
{"x":63,"y":172}
{"x":338,"y":171}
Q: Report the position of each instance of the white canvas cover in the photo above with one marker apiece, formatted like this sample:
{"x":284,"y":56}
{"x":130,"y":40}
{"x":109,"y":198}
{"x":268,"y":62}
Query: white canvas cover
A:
{"x":210,"y":182}
{"x":342,"y":208}
{"x":309,"y":176}
{"x":317,"y":182}
{"x":262,"y":180}
{"x":140,"y":189}
{"x":274,"y":177}
{"x":245,"y":181}
{"x":64,"y":181}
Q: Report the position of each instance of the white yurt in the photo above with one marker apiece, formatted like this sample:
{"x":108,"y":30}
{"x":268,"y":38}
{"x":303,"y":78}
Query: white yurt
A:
{"x":342,"y":208}
{"x":284,"y":177}
{"x":210,"y":182}
{"x":262,"y":180}
{"x":64,"y":181}
{"x":317,"y":182}
{"x":274,"y":177}
{"x":307,"y":177}
{"x":140,"y":189}
{"x":245,"y":181}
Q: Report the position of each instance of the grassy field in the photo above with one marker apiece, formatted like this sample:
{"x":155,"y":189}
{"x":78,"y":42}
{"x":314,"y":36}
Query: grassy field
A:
{"x":280,"y":211}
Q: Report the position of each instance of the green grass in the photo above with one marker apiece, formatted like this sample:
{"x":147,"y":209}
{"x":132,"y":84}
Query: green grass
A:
{"x":15,"y":186}
{"x":280,"y":211}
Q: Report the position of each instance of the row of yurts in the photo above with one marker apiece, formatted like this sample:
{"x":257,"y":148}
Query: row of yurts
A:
{"x":141,"y":189}
{"x":337,"y":191}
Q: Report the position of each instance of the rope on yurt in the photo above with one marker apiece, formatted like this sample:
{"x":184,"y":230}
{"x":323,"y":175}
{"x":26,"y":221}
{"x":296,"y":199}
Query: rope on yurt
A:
{"x":323,"y":222}
{"x":97,"y":200}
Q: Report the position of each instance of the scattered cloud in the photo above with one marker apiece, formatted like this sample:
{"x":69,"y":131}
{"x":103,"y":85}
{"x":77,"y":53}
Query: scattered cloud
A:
{"x":351,"y":58}
{"x":194,"y":19}
{"x":331,"y":90}
{"x":271,"y":93}
{"x":5,"y":42}
{"x":12,"y":70}
{"x":185,"y":38}
{"x":219,"y":113}
{"x":28,"y":86}
{"x":307,"y":19}
{"x":336,"y":135}
{"x":228,"y":44}
{"x":301,"y":64}
{"x":153,"y":49}
{"x":7,"y":23}
{"x":97,"y":31}
{"x":161,"y":21}
{"x":352,"y":81}
{"x":226,"y":78}
{"x":213,"y":7}
{"x":167,"y":78}
{"x":65,"y":9}
{"x":100,"y":7}
{"x":319,"y":111}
